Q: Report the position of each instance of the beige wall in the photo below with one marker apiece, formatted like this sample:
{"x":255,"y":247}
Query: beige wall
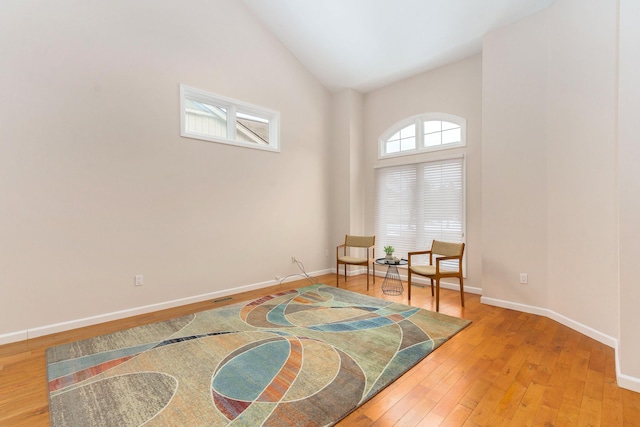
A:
{"x":347,"y":195}
{"x":340,"y":154}
{"x":629,"y":181}
{"x":357,"y":183}
{"x":514,"y":163}
{"x":96,"y":183}
{"x":454,"y":89}
{"x":556,"y":176}
{"x":581,"y":150}
{"x":549,"y":166}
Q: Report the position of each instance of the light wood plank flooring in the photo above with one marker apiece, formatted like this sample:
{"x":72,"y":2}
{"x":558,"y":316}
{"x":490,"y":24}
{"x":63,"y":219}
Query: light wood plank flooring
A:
{"x":506,"y":369}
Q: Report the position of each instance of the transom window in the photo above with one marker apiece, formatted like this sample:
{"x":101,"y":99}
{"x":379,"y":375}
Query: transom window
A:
{"x":425,"y":132}
{"x":403,"y":140}
{"x":212,"y":117}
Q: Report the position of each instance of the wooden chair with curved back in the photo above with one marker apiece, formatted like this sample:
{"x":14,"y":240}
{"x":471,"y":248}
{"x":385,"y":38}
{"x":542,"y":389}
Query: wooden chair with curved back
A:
{"x":439,"y":252}
{"x":363,"y":242}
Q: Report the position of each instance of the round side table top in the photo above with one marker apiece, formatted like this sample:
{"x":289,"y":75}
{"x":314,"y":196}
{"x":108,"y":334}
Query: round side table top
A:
{"x":384,"y":261}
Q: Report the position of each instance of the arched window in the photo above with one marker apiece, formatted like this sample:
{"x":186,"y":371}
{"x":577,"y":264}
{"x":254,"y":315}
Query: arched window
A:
{"x":424,"y":132}
{"x":418,"y":201}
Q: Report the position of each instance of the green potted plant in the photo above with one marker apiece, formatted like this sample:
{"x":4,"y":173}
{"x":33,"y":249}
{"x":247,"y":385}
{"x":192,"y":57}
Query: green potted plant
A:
{"x":389,"y":251}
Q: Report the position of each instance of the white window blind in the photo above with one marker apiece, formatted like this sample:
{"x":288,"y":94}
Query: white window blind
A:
{"x":418,"y":203}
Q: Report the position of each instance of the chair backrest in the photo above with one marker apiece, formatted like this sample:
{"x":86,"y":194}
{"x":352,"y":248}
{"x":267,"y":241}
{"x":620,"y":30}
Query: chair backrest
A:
{"x":359,"y":241}
{"x":447,"y":248}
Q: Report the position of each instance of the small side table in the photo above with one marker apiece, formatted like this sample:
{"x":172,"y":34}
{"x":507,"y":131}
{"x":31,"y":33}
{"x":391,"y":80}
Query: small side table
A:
{"x":392,"y":284}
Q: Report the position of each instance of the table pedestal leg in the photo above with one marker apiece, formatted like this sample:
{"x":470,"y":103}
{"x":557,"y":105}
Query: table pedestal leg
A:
{"x":392,"y":284}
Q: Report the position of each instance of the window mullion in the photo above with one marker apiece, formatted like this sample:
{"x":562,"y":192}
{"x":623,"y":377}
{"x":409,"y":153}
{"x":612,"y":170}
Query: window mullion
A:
{"x":231,"y":122}
{"x":420,"y":207}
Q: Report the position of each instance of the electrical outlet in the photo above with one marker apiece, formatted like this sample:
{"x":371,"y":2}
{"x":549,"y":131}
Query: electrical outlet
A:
{"x":524,"y":278}
{"x":139,"y":280}
{"x":278,"y":277}
{"x":293,"y":259}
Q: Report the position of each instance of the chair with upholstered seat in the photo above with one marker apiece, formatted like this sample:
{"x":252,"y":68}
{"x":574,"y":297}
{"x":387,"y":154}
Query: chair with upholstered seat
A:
{"x":356,"y":243}
{"x":439,"y":252}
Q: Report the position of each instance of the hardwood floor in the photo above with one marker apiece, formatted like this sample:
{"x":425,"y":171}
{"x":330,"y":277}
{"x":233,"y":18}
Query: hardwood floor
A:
{"x":506,"y":369}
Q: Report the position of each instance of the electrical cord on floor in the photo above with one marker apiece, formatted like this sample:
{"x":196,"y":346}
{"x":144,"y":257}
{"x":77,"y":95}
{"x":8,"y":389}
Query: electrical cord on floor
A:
{"x":303,"y":274}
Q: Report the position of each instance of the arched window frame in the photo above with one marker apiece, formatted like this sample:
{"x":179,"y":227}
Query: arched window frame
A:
{"x":420,"y":147}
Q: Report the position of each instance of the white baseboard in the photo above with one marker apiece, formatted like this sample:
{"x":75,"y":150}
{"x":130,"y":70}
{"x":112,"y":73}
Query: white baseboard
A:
{"x":624,"y":381}
{"x":116,"y":315}
{"x":14,"y":337}
{"x":577,"y":326}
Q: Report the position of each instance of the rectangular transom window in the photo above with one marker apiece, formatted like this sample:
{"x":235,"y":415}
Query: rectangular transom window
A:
{"x":215,"y":118}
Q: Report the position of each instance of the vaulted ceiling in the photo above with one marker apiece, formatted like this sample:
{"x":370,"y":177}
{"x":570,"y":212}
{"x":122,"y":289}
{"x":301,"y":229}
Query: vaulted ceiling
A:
{"x":366,"y":44}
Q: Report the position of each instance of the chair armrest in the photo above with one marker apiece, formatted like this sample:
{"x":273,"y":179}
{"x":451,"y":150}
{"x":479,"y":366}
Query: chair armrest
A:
{"x":410,"y":254}
{"x":417,"y":253}
{"x":445,"y":258}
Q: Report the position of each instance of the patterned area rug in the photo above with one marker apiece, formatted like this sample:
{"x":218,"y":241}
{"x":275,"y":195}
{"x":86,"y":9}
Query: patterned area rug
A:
{"x":307,"y":356}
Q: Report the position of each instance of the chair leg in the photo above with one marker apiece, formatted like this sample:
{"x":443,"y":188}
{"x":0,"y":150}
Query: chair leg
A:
{"x":345,"y":273}
{"x":408,"y":284}
{"x":373,"y":265}
{"x":461,"y":292}
{"x":431,"y":286}
{"x":437,"y":294}
{"x":367,"y":276}
{"x":337,"y":275}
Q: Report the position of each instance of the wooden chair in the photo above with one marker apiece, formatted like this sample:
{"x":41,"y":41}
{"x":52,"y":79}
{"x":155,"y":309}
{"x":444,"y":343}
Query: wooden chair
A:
{"x":365,"y":242}
{"x":440,"y":251}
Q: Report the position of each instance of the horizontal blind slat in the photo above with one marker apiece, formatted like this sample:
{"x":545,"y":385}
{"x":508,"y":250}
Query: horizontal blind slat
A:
{"x":418,"y":203}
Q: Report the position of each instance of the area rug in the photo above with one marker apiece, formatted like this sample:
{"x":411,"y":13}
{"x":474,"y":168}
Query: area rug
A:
{"x":303,"y":357}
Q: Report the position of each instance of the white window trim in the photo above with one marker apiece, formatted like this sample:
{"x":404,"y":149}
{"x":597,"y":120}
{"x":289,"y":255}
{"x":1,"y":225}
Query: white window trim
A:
{"x":232,"y":105}
{"x":418,"y":120}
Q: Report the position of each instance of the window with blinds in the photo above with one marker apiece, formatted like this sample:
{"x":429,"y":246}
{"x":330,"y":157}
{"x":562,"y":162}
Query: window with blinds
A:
{"x":418,"y":203}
